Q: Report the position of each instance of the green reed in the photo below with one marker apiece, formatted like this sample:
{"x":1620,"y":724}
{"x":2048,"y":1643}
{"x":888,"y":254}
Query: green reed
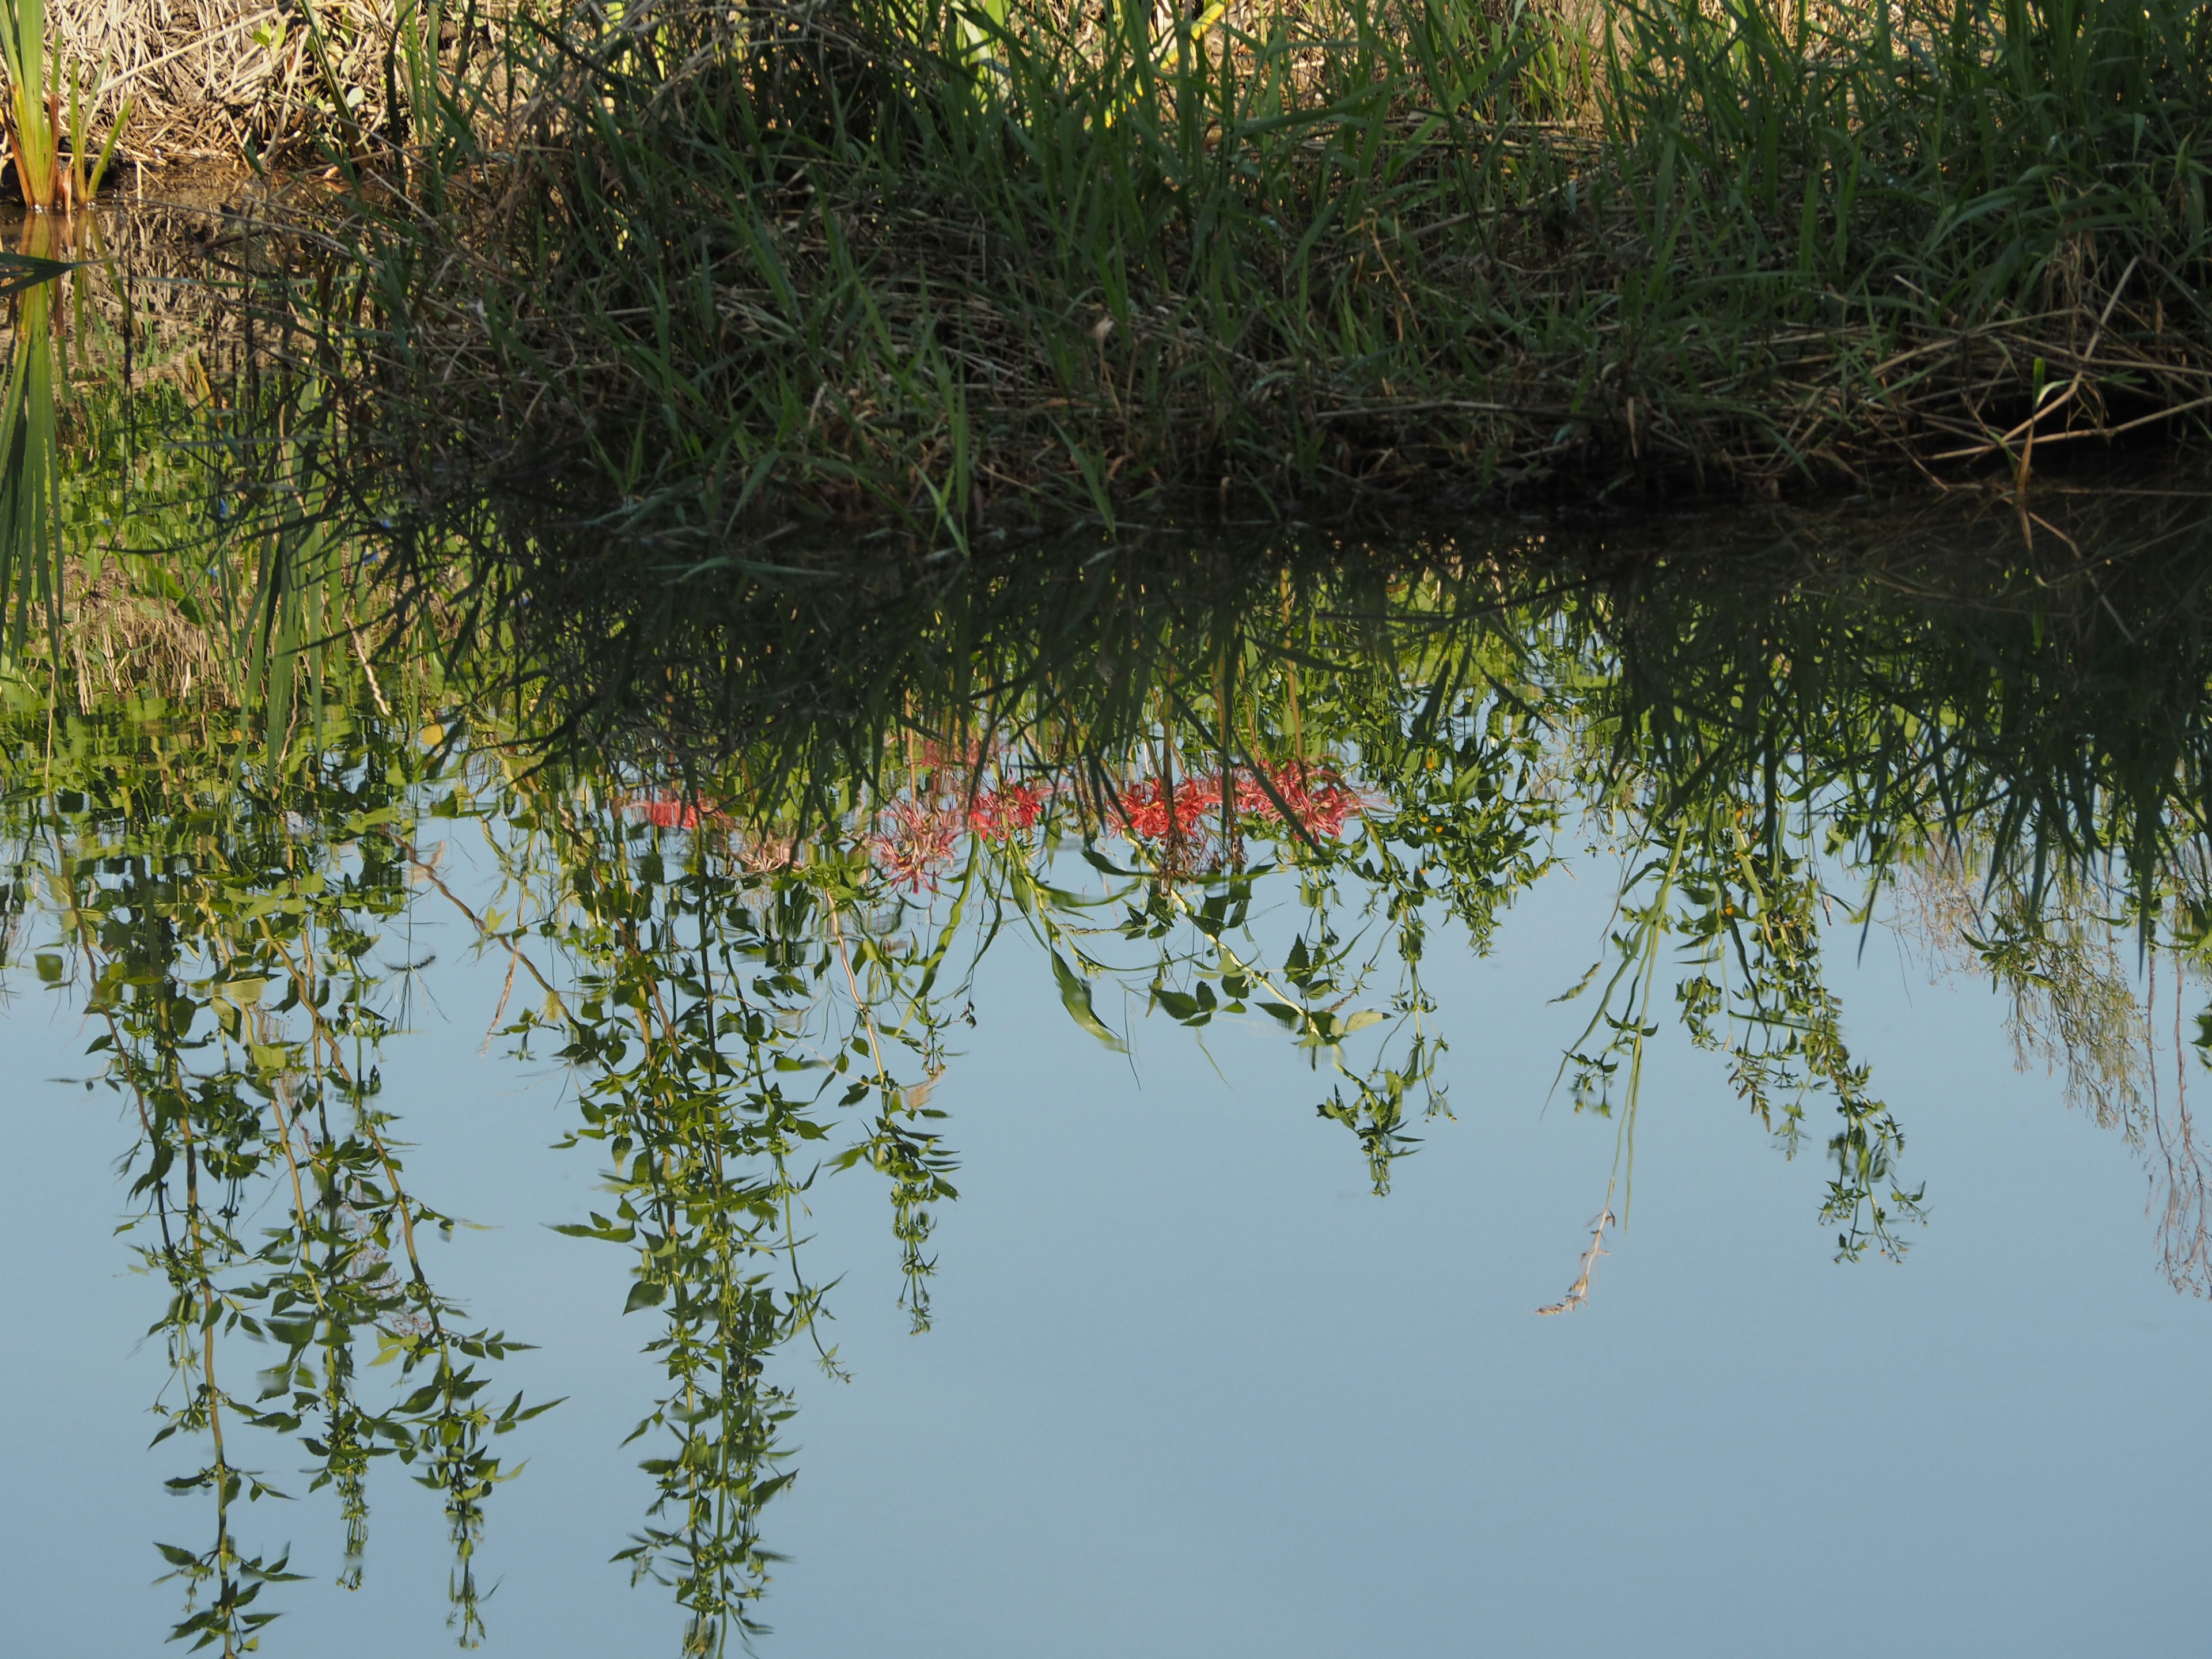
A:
{"x":52,"y":153}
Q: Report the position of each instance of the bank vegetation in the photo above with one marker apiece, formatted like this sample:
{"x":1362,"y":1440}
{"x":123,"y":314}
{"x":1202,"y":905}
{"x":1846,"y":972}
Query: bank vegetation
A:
{"x":690,"y":272}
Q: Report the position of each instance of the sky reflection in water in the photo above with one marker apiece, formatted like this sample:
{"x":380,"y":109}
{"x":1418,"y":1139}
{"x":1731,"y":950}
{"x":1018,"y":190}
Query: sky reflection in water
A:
{"x":1189,"y":1383}
{"x":1193,"y":1390}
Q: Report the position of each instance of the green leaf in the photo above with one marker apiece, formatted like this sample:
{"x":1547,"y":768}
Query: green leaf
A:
{"x":1075,"y":997}
{"x":18,"y":271}
{"x":1179,"y":1007}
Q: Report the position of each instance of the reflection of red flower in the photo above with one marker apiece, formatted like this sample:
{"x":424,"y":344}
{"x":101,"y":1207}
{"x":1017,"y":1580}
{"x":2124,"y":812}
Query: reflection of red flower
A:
{"x":1319,"y":802}
{"x":916,"y":845}
{"x":999,"y":814}
{"x":668,"y":813}
{"x":913,"y":838}
{"x":1155,"y":812}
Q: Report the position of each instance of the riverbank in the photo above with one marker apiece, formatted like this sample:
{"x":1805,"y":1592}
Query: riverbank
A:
{"x":645,"y":284}
{"x":741,"y":269}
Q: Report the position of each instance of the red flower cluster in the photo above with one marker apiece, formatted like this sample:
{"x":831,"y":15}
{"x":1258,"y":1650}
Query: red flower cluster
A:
{"x":669,"y":812}
{"x":1153,"y":812}
{"x":1319,"y":801}
{"x":1001,"y":814}
{"x":918,"y":836}
{"x":913,"y":838}
{"x":916,"y":844}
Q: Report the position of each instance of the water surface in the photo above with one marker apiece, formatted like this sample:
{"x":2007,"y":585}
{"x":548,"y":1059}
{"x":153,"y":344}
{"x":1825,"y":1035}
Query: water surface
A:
{"x":1509,"y":1083}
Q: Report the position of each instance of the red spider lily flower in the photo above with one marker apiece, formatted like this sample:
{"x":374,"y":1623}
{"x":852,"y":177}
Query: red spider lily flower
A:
{"x":1318,"y":799}
{"x":669,"y":812}
{"x":1178,"y":820}
{"x":1001,"y":814}
{"x":933,"y":754}
{"x":1155,"y":812}
{"x":916,"y":846}
{"x":1144,"y":810}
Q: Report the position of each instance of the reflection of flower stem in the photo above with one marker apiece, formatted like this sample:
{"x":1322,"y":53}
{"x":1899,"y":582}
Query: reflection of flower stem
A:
{"x":1578,"y":1292}
{"x":278,"y":1087}
{"x":514,"y":952}
{"x":906,"y":1162}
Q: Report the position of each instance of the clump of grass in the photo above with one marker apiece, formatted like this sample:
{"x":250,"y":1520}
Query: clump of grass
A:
{"x":961,"y":269}
{"x":50,"y":150}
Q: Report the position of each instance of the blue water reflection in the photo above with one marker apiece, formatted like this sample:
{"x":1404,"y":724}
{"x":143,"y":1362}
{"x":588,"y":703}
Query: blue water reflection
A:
{"x":1193,"y":1390}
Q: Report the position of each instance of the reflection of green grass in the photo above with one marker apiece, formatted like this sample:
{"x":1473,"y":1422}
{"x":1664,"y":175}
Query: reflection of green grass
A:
{"x":1859,"y":698}
{"x":161,"y":533}
{"x":31,"y":574}
{"x":749,"y":991}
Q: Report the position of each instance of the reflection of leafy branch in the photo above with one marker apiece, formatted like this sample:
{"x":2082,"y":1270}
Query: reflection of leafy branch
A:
{"x":184,"y":959}
{"x":915,"y":1160}
{"x":713,"y":1050}
{"x":1316,"y":969}
{"x":1747,"y":913}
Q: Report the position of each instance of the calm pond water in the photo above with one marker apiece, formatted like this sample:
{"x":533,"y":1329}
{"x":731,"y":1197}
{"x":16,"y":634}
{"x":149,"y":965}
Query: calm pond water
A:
{"x":1510,"y":1087}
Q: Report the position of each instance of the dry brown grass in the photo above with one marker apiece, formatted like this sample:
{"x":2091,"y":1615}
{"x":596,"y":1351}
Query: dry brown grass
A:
{"x":2076,"y":1012}
{"x":221,"y":79}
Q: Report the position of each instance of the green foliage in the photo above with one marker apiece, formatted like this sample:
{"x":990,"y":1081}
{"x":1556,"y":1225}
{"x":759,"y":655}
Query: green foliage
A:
{"x":961,"y":270}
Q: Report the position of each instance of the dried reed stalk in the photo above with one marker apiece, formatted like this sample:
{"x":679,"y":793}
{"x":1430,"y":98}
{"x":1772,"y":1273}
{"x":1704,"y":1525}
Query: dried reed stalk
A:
{"x":216,"y":78}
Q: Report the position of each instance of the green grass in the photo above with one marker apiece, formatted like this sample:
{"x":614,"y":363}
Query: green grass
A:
{"x":735,"y":269}
{"x":52,"y":152}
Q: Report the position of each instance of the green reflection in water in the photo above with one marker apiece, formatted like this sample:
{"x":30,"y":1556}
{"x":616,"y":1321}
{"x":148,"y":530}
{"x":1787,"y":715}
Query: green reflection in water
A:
{"x":751,"y":826}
